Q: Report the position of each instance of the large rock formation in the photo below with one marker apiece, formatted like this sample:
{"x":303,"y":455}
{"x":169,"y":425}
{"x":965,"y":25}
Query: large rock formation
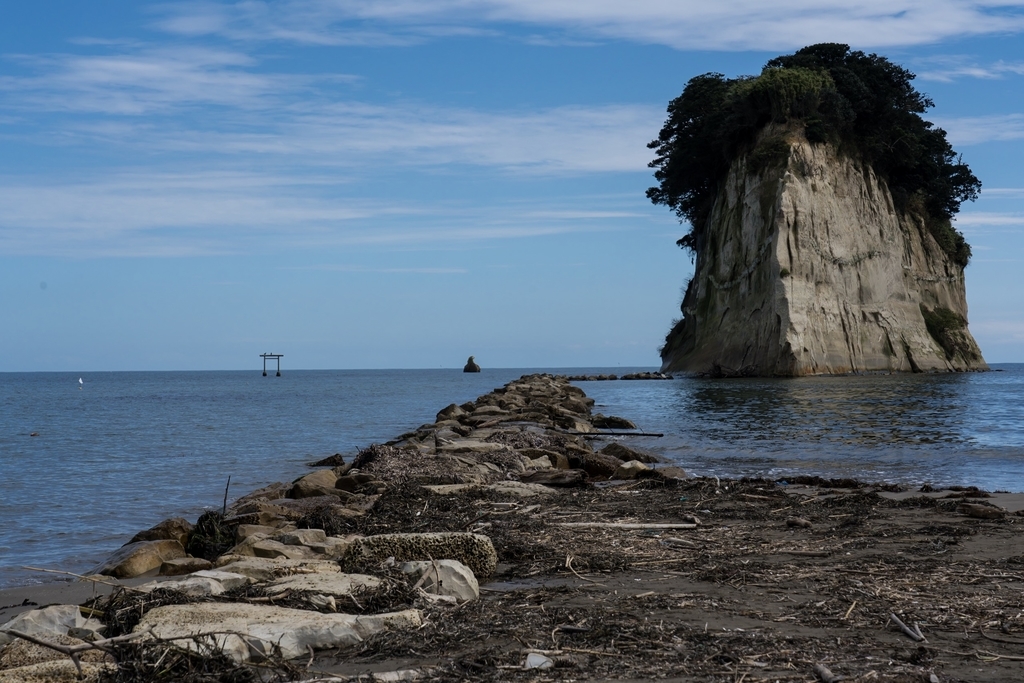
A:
{"x":807,"y":268}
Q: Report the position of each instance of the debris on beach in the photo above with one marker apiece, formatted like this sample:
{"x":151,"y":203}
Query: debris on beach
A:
{"x":514,"y":539}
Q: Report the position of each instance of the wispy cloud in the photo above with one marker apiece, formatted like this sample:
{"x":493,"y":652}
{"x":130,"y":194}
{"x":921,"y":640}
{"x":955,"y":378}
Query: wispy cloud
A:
{"x":145,"y":99}
{"x":1002,"y":193}
{"x":949,"y":68}
{"x":339,"y":268}
{"x":146,"y":81}
{"x":973,"y":130}
{"x":684,"y":24}
{"x":163,"y":214}
{"x":989,"y":218}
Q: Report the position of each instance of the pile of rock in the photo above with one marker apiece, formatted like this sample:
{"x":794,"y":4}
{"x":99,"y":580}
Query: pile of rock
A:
{"x":518,"y":441}
{"x":632,"y":375}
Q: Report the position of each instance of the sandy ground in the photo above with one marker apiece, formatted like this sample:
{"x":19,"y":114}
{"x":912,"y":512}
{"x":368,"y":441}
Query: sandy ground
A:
{"x":745,"y":596}
{"x":753,"y":580}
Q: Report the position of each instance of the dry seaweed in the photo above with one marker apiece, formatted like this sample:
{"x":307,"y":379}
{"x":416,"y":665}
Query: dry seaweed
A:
{"x":211,"y":537}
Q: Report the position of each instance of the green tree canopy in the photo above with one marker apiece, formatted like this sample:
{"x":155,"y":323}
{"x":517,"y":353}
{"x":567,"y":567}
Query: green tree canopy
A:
{"x":863,"y":104}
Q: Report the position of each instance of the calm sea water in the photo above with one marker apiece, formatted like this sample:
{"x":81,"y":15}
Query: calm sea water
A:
{"x":131,"y":448}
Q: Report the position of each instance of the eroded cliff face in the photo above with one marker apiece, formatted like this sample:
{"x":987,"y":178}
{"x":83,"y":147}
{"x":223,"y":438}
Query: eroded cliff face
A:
{"x":805,"y":268}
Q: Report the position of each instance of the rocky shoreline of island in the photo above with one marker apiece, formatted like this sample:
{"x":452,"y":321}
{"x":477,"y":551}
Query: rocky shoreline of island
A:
{"x":521,"y":537}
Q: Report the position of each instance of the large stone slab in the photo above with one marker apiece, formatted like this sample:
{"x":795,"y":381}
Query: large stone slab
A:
{"x":244,"y":631}
{"x":136,"y":559}
{"x":200,"y":584}
{"x":336,"y":584}
{"x":266,"y":569}
{"x":473,"y":550}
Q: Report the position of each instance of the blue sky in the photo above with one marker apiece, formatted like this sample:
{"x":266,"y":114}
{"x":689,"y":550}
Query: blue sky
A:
{"x":402,"y":184}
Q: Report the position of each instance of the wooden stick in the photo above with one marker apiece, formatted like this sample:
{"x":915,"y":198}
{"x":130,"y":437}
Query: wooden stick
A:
{"x":80,"y":576}
{"x":596,"y":435}
{"x":805,"y":553}
{"x":909,"y":632}
{"x":1008,"y":641}
{"x":624,"y":525}
{"x":826,"y":676}
{"x":224,"y":510}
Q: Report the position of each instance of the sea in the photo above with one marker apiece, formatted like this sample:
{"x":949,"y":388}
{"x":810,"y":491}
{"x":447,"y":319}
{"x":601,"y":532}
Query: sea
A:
{"x":89,"y":459}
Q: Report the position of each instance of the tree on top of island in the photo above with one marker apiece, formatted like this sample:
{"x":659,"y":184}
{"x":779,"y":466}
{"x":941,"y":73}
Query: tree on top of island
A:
{"x":862,"y":104}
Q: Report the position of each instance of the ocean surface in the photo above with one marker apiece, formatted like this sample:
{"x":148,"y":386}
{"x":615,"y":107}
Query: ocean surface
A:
{"x":123,"y":450}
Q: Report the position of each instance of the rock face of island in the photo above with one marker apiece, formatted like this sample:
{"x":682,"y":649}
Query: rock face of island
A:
{"x":809,"y":269}
{"x":820,"y":206}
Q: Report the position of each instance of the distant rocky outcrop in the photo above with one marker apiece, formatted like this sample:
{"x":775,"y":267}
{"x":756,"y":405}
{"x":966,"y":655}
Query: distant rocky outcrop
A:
{"x":810,"y":269}
{"x":471,"y":366}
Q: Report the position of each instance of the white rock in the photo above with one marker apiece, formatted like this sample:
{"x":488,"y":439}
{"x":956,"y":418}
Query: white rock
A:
{"x":630,"y":470}
{"x":538,"y":661}
{"x":55,"y":619}
{"x":262,"y":629}
{"x":444,"y":577}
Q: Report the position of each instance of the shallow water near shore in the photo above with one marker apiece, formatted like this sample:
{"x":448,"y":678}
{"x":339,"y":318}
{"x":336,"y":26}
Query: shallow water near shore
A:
{"x":131,"y":448}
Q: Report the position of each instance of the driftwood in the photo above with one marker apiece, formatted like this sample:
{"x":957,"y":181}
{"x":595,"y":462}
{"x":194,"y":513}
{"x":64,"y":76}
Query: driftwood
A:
{"x":626,"y":525}
{"x":912,"y":633}
{"x":74,"y":650}
{"x":598,"y":435}
{"x":799,"y":522}
{"x":826,"y":676}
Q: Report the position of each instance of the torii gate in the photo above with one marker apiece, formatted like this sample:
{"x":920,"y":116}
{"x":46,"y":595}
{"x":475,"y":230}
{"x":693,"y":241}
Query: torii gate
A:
{"x":276,"y":356}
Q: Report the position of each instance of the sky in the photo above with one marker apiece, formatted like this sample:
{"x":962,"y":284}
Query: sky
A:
{"x":400,"y":184}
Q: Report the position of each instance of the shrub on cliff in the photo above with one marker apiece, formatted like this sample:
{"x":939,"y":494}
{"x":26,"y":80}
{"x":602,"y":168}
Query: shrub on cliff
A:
{"x":863,"y":104}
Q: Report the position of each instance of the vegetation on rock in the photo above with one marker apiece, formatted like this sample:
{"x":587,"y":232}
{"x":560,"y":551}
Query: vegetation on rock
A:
{"x":947,"y":328}
{"x":862,"y":104}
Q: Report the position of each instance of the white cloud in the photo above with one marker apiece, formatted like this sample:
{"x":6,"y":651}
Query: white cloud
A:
{"x":339,"y":268}
{"x":973,"y":130}
{"x":1002,"y":193}
{"x":164,"y":214}
{"x":144,"y":81}
{"x":144,"y":99}
{"x":989,"y":218}
{"x":683,"y":24}
{"x":949,"y":68}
